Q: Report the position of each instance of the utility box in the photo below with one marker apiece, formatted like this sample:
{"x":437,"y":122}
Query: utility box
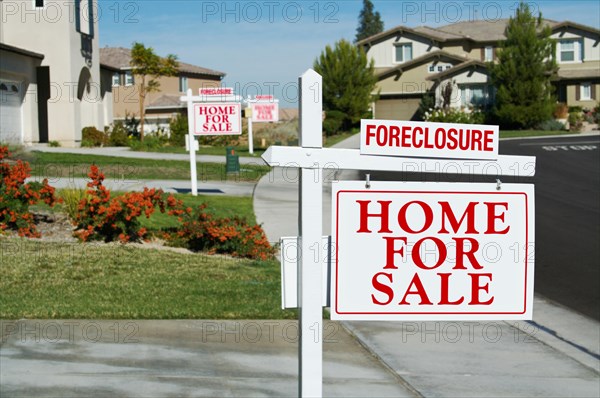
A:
{"x":232,"y":161}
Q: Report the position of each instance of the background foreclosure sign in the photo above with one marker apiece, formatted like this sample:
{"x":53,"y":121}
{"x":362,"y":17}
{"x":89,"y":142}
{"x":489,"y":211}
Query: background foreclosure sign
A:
{"x":441,"y":251}
{"x":212,"y":118}
{"x":424,"y":139}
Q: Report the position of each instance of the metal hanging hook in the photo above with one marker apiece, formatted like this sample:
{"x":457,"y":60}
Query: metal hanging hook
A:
{"x":498,"y":184}
{"x":368,"y":181}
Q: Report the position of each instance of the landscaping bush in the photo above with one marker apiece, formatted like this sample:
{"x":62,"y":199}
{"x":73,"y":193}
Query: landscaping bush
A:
{"x":92,"y":137}
{"x":334,"y":122}
{"x":152,"y":142}
{"x":201,"y":231}
{"x":71,"y":197}
{"x":551,"y":125}
{"x":596,"y":113}
{"x":561,"y":111}
{"x":16,"y":196}
{"x":179,"y":128}
{"x":118,"y":136}
{"x":454,"y":115}
{"x":100,"y":217}
{"x":575,"y":121}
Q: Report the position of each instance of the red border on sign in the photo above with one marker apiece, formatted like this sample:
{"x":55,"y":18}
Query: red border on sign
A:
{"x":206,"y":134}
{"x":429,"y":312}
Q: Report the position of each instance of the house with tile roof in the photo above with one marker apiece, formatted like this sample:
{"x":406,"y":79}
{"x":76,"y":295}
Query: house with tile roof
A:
{"x":410,"y":62}
{"x":160,"y":105}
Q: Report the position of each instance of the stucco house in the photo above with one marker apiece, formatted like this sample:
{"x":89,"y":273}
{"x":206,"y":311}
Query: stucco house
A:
{"x":410,"y":62}
{"x":160,"y":105}
{"x":50,"y":84}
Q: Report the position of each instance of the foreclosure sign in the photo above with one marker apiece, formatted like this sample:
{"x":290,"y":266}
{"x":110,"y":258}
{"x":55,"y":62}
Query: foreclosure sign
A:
{"x":424,"y":139}
{"x":432,"y":251}
{"x":223,"y":118}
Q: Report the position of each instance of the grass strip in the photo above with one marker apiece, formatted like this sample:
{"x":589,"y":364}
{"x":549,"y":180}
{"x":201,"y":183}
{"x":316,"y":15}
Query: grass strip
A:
{"x":68,"y":165}
{"x":44,"y":280}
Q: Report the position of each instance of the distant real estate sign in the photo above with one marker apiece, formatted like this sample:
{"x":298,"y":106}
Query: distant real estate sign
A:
{"x":265,"y":110}
{"x":423,"y":251}
{"x":424,"y":139}
{"x":217,"y":118}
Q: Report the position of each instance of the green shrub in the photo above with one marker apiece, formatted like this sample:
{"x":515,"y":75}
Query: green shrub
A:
{"x":334,"y":122}
{"x":453,"y":115}
{"x":575,"y":121}
{"x":152,"y":142}
{"x":426,"y":105}
{"x":71,"y":198}
{"x":54,"y":144}
{"x":551,"y":125}
{"x":179,"y":128}
{"x":118,"y":136}
{"x":575,"y":109}
{"x":93,"y":137}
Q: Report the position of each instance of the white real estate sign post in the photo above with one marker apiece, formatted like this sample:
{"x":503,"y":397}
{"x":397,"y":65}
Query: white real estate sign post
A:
{"x":216,"y":111}
{"x":311,"y":158}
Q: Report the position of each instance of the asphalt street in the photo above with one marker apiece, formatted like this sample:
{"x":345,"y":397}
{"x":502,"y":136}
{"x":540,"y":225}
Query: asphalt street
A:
{"x":567,"y":185}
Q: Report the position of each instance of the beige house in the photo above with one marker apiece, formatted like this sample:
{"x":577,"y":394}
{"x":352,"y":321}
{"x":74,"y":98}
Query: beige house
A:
{"x":161,"y":105}
{"x":50,"y":84}
{"x":410,"y":62}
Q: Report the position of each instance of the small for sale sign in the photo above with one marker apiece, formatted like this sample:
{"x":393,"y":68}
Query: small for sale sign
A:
{"x":432,"y":251}
{"x":217,"y":118}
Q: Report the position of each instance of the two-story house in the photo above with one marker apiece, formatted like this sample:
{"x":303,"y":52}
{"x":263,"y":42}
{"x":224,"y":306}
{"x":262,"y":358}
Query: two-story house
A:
{"x":159,"y":105}
{"x":410,"y":62}
{"x":50,"y":85}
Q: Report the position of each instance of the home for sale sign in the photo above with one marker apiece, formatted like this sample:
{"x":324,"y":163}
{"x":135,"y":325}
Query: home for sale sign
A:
{"x":212,"y":118}
{"x":432,"y":251}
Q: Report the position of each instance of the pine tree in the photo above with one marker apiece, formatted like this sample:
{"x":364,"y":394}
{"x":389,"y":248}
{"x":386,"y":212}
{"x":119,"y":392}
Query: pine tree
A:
{"x":523,"y":72}
{"x":348,"y":81}
{"x":147,"y":67}
{"x":369,"y":22}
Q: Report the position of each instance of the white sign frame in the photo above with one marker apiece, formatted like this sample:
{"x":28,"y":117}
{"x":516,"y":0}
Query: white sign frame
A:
{"x":236,"y":121}
{"x":366,"y":284}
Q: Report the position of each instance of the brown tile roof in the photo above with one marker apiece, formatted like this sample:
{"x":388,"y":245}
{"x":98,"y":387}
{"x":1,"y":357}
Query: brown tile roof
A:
{"x":168,"y":101}
{"x":575,"y":74}
{"x":465,"y":65}
{"x":419,"y":60}
{"x":476,"y":31}
{"x":119,"y":58}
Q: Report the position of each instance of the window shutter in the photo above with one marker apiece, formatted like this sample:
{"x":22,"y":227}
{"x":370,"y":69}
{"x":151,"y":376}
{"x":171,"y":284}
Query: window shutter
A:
{"x":493,"y":53}
{"x":578,"y":92}
{"x":91,"y":16}
{"x":482,"y":53}
{"x":593,"y":89}
{"x":78,"y":15}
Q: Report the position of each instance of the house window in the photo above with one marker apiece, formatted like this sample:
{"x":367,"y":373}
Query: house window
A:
{"x":475,"y":95}
{"x":488,"y":54}
{"x":403,"y":52}
{"x":448,"y":67}
{"x":129,"y":80}
{"x":570,"y":51}
{"x":586,"y":91}
{"x":84,"y":17}
{"x":183,"y":84}
{"x":431,"y":68}
{"x":440,"y":68}
{"x":116,"y":79}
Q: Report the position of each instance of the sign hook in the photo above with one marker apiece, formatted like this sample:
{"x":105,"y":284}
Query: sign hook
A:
{"x":498,"y":184}
{"x":368,"y":181}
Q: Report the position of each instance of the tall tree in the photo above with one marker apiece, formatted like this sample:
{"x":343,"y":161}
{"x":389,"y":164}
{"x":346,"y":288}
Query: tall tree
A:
{"x":523,"y":72}
{"x":369,"y":22}
{"x":348,"y":80}
{"x":147,"y":67}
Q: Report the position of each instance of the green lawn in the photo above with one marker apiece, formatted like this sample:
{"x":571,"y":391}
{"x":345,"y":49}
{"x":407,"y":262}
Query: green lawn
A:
{"x":69,"y":165}
{"x":88,"y":281}
{"x":211,"y":150}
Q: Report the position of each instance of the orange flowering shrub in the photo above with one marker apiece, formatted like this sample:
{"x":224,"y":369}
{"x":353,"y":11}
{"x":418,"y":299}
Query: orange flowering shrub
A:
{"x":16,"y":196}
{"x":100,"y":216}
{"x":202,"y":231}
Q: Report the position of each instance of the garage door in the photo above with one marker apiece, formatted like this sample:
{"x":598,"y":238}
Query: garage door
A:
{"x":396,"y":109}
{"x":10,"y":112}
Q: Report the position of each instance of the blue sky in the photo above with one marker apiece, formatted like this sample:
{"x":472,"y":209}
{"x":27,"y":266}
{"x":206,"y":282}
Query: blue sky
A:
{"x":263,"y":46}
